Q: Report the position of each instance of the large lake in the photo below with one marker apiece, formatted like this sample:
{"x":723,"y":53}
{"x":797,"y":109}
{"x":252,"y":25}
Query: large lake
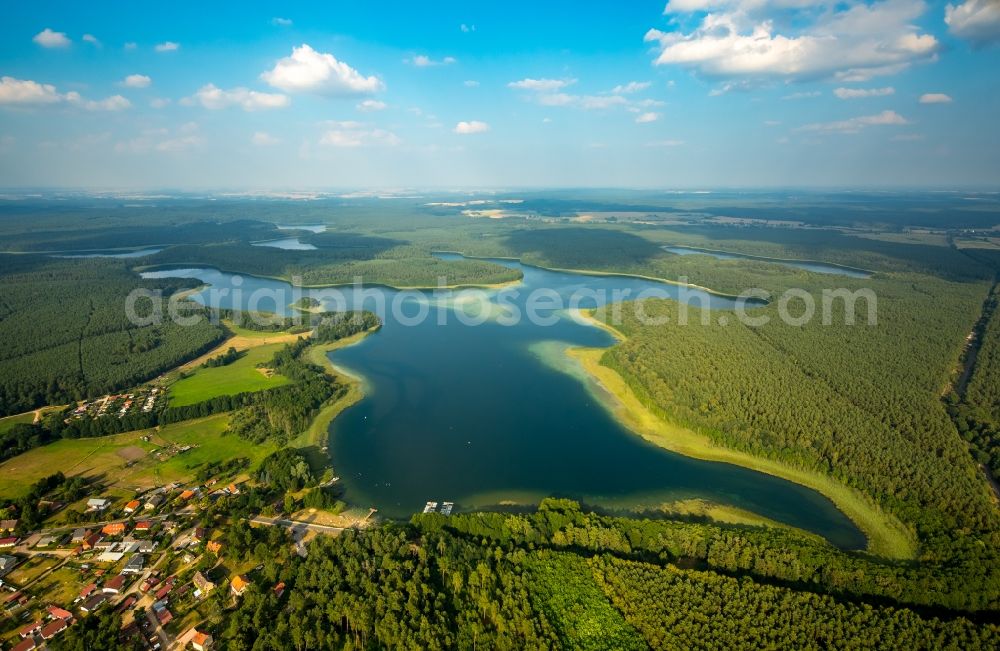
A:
{"x":493,"y":414}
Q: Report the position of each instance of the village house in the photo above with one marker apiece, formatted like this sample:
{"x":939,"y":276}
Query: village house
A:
{"x":7,"y":563}
{"x":54,"y":628}
{"x":98,"y":504}
{"x":201,"y":641}
{"x":203,"y":585}
{"x":114,"y":586}
{"x":7,"y":542}
{"x":134,"y":565}
{"x":27,"y":644}
{"x":30,"y":629}
{"x":143,"y":526}
{"x":164,"y":616}
{"x":113,"y":529}
{"x":132,"y":506}
{"x":55,"y":612}
{"x":214,"y":546}
{"x":87,"y":590}
{"x":154,"y":502}
{"x":90,"y":542}
{"x":94,"y":602}
{"x":79,"y":535}
{"x":239,"y":585}
{"x":8,"y":525}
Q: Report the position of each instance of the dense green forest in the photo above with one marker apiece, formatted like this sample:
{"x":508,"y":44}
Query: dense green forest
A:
{"x":430,"y":585}
{"x":770,"y":555}
{"x":856,"y":402}
{"x":377,"y":261}
{"x":66,"y":334}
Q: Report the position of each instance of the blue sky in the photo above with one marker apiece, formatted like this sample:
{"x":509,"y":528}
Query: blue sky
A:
{"x":694,"y":93}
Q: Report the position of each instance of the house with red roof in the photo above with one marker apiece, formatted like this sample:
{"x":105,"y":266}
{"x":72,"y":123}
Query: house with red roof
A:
{"x":27,"y":644}
{"x":114,"y":586}
{"x":55,"y":612}
{"x":30,"y":629}
{"x":54,"y":628}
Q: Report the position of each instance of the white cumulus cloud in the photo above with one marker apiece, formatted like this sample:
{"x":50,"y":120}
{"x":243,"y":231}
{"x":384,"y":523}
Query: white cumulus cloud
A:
{"x":471,"y":127}
{"x":264,"y":139}
{"x":93,"y":40}
{"x":212,"y":97}
{"x":541,"y":85}
{"x":307,"y":70}
{"x":787,"y":39}
{"x":26,"y":91}
{"x":113,"y":103}
{"x":371,"y":105}
{"x":855,"y":125}
{"x":167,"y":46}
{"x":49,"y":38}
{"x":424,"y":61}
{"x":357,"y":134}
{"x":860,"y":93}
{"x":935,"y":98}
{"x":977,"y":21}
{"x":137,"y":81}
{"x":630,"y":87}
{"x":645,"y":118}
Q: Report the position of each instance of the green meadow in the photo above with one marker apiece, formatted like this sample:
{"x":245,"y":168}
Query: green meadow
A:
{"x":241,"y":376}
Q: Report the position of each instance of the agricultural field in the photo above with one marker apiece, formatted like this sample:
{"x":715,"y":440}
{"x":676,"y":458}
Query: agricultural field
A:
{"x":133,"y":460}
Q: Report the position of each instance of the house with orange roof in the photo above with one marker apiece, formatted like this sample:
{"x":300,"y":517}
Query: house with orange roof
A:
{"x":214,"y":546}
{"x":114,"y":529}
{"x":201,"y":641}
{"x":239,"y":585}
{"x":132,"y":506}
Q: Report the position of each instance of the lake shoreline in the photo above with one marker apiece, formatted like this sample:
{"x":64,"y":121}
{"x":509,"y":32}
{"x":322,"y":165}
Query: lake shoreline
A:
{"x":318,"y":432}
{"x":764,"y":258}
{"x":401,"y":288}
{"x":619,"y":274}
{"x":886,"y":536}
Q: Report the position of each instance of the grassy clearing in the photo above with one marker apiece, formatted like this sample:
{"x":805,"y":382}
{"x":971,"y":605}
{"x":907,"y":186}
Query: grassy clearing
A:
{"x":886,"y":535}
{"x":243,"y":375}
{"x":32,"y":568}
{"x":127,"y":462}
{"x":10,"y":421}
